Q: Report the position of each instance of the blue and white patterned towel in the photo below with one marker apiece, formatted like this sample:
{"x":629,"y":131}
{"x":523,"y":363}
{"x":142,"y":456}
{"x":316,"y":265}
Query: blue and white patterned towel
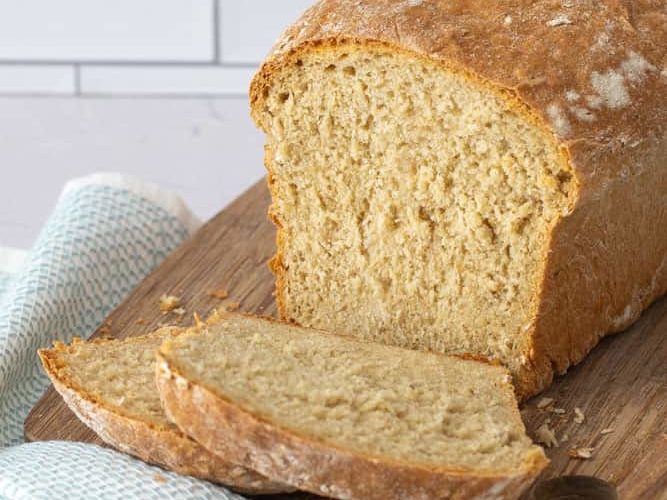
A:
{"x":105,"y":234}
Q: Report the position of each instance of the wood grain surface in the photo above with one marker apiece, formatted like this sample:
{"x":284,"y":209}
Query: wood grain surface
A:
{"x":621,"y":386}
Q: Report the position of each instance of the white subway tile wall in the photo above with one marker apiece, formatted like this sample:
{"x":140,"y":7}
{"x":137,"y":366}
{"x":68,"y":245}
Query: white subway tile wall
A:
{"x":100,"y":30}
{"x":164,"y":80}
{"x":207,"y":150}
{"x":37,"y":79}
{"x":249,"y":28}
{"x":163,"y":87}
{"x":142,"y":47}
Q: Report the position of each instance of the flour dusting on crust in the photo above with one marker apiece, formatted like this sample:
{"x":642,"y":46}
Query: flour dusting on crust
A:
{"x":635,"y":67}
{"x":559,"y":20}
{"x":558,"y":120}
{"x":610,"y":86}
{"x":583,"y":114}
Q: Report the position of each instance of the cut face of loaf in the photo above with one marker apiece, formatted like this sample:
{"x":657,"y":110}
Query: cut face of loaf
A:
{"x":344,"y":418}
{"x":110,"y":386}
{"x":414,"y":207}
{"x":469,"y":176}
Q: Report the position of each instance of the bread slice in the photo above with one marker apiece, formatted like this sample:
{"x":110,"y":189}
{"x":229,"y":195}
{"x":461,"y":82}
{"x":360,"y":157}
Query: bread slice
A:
{"x":110,"y":386}
{"x":469,"y":176}
{"x":335,"y":416}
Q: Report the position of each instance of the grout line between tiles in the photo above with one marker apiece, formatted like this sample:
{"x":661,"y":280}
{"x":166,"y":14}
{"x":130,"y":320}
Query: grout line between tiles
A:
{"x":164,"y":95}
{"x":77,"y":80}
{"x":151,"y":64}
{"x":216,"y":31}
{"x":100,"y":95}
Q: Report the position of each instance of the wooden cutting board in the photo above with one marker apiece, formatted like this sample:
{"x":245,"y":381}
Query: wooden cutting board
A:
{"x":621,"y":386}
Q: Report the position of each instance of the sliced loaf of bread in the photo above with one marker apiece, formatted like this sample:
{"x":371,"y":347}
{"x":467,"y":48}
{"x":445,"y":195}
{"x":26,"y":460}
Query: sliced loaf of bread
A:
{"x":337,"y":416}
{"x":470,"y":176}
{"x":110,"y":386}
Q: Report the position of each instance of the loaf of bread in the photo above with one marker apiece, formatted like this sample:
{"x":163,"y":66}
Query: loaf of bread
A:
{"x":466,"y":176}
{"x":110,"y":386}
{"x":348,"y":419}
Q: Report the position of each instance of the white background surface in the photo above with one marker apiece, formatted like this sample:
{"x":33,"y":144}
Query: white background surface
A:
{"x":153,"y":88}
{"x":205,"y":149}
{"x":82,"y":30}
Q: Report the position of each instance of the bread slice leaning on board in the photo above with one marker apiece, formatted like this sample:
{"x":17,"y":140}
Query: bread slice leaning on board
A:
{"x":110,"y":386}
{"x":345,"y":418}
{"x":470,"y":176}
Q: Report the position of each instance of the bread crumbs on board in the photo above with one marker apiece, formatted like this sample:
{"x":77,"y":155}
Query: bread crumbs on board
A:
{"x":198,"y":321}
{"x":546,"y":436}
{"x":232,"y":306}
{"x":218,"y":294}
{"x":544,"y":402}
{"x":159,"y":478}
{"x":169,"y":303}
{"x":579,"y":416}
{"x":581,"y":453}
{"x":105,"y":329}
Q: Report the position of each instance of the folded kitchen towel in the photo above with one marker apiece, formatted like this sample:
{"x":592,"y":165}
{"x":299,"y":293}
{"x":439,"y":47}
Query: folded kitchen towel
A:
{"x":105,"y":234}
{"x":11,"y":260}
{"x":60,"y":470}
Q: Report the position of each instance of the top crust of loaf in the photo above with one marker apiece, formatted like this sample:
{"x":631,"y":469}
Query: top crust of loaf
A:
{"x":592,"y":73}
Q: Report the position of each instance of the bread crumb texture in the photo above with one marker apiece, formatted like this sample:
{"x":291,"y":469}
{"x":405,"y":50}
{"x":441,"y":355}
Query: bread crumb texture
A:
{"x":414,"y":206}
{"x":376,"y":400}
{"x":118,"y":378}
{"x":469,"y":176}
{"x":118,"y":374}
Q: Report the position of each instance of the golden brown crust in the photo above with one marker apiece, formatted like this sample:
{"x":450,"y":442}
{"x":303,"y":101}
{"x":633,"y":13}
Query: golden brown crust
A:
{"x":157,"y":444}
{"x":276,"y":263}
{"x":315,"y":466}
{"x":594,"y":75}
